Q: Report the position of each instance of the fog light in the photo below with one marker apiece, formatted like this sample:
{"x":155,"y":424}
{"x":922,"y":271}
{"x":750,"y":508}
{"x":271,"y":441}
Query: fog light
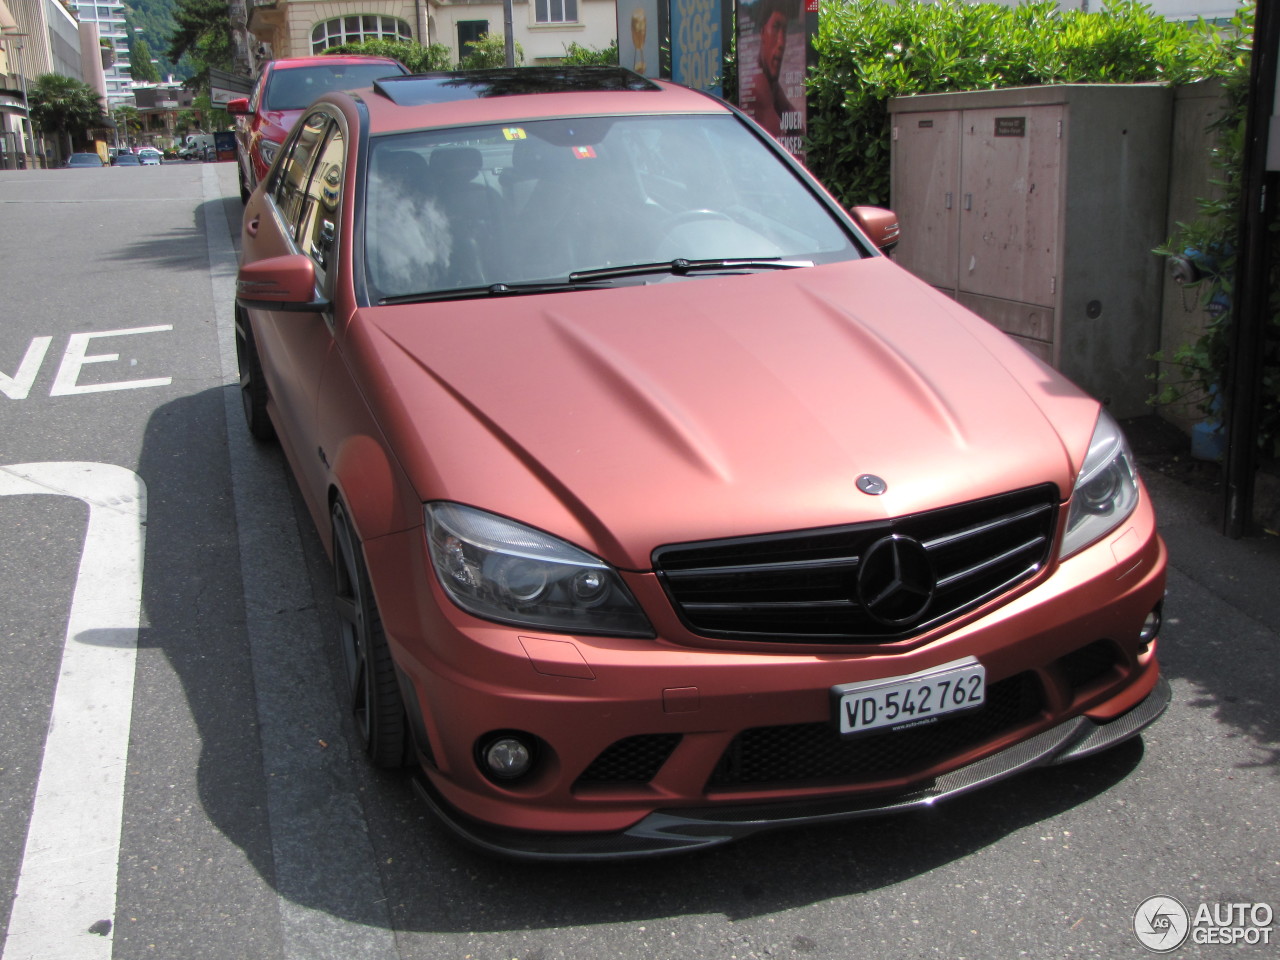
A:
{"x":506,"y":757}
{"x":1150,"y":626}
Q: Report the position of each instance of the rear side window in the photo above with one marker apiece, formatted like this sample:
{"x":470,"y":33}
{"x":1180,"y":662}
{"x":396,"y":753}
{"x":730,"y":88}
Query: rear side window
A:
{"x":318,"y":222}
{"x":289,"y":189}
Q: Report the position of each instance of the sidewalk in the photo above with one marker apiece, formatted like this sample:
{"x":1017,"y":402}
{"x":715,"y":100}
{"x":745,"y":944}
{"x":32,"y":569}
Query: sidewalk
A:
{"x":1244,"y":574}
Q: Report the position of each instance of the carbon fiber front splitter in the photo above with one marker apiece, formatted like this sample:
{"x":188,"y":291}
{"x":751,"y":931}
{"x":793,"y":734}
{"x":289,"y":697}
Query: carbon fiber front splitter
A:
{"x":676,"y":830}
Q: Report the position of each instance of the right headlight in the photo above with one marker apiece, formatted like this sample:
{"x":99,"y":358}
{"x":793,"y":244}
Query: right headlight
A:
{"x":502,"y":570}
{"x":1106,"y":490}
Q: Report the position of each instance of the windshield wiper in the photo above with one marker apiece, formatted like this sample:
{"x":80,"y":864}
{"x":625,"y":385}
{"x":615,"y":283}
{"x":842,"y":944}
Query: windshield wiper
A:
{"x":583,"y":279}
{"x":680,"y":267}
{"x":489,"y":290}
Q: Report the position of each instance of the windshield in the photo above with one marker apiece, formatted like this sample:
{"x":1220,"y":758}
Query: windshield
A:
{"x":296,"y":87}
{"x":542,"y":200}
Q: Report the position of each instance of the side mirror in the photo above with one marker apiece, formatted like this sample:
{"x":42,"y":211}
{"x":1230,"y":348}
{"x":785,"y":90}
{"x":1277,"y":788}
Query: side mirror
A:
{"x":240,"y":105}
{"x":280,"y":283}
{"x":880,"y":225}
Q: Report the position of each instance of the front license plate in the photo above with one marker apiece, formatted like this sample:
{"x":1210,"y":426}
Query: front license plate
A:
{"x":899,"y":703}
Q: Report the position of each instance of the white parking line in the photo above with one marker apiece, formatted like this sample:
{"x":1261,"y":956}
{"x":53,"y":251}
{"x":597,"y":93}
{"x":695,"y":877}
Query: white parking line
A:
{"x":66,"y":894}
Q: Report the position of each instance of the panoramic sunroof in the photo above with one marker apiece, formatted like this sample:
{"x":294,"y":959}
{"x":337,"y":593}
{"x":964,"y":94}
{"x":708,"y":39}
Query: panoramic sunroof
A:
{"x":430,"y":88}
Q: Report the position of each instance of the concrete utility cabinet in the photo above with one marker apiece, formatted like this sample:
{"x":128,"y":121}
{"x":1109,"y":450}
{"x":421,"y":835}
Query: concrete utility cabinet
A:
{"x":1038,"y":208}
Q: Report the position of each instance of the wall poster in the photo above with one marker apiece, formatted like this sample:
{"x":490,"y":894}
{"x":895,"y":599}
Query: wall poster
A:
{"x":774,"y":52}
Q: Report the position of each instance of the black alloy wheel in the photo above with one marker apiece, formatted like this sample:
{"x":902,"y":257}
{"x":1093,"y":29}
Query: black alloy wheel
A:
{"x":253,"y":388}
{"x":373,"y":694}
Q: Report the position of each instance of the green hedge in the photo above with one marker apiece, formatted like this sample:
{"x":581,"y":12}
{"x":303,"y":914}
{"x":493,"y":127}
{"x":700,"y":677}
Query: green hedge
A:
{"x":870,"y":50}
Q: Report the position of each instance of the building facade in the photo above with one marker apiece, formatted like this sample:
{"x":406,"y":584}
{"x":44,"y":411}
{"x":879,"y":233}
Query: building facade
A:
{"x":108,"y":16}
{"x":544,"y":29}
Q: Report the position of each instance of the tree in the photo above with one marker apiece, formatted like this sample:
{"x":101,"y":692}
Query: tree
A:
{"x":128,"y":123}
{"x":63,"y":105}
{"x":203,"y":34}
{"x":142,"y":67}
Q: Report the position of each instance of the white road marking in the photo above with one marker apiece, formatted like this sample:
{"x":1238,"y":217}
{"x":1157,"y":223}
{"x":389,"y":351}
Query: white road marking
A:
{"x":64,"y":384}
{"x":19,"y":385}
{"x":67,"y":882}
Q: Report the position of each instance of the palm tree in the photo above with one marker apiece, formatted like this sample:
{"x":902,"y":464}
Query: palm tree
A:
{"x":128,"y":123}
{"x":62,"y":105}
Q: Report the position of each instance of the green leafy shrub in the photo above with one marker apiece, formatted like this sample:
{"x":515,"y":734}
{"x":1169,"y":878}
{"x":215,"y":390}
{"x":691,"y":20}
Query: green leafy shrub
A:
{"x":488,"y":52}
{"x":580,"y":56}
{"x":415,"y":56}
{"x":1197,"y":371}
{"x":870,"y":51}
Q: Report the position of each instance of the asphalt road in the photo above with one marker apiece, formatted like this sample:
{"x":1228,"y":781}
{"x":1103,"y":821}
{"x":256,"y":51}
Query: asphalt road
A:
{"x":198,"y":797}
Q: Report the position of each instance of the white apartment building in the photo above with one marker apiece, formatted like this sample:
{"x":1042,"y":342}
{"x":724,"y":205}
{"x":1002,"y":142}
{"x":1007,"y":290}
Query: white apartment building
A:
{"x":108,"y":15}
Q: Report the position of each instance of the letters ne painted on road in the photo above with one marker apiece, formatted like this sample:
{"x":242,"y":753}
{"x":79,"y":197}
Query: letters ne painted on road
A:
{"x":67,"y":883}
{"x":73,"y":360}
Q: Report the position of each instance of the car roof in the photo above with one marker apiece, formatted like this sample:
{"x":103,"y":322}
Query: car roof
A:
{"x":288,"y":63}
{"x":524,"y":93}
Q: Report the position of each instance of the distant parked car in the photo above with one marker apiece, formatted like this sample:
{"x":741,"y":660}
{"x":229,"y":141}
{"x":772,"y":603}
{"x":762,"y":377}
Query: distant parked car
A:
{"x":84,"y":160}
{"x":283,"y":90}
{"x":126,"y":160}
{"x":149,"y":156}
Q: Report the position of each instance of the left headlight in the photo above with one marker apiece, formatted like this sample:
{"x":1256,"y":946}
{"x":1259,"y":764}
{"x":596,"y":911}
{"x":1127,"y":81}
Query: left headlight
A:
{"x":1106,"y":490}
{"x":268,"y":149}
{"x":502,"y":570}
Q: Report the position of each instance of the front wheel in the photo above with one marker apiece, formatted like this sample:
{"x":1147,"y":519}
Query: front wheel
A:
{"x":244,"y":186}
{"x":253,"y":388}
{"x":373,"y":695}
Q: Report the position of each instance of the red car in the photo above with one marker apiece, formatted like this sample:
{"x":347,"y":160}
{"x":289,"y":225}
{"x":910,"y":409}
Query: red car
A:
{"x":283,"y":90}
{"x":663,"y":507}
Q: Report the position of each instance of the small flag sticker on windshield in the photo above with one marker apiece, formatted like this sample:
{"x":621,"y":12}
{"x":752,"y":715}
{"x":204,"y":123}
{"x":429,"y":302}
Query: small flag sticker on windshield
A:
{"x":584,"y":153}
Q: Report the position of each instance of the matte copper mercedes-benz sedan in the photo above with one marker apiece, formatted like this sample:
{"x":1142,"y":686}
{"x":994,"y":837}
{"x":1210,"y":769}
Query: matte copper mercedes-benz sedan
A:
{"x":663,"y":506}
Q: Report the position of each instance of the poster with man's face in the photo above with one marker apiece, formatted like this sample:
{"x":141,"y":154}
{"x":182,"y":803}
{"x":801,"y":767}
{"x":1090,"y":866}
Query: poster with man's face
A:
{"x":772,"y":55}
{"x":642,"y":24}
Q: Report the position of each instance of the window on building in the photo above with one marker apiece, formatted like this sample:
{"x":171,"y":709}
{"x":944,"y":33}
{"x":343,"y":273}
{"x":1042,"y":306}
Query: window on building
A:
{"x":353,"y":29}
{"x":470,"y":31}
{"x":556,"y":11}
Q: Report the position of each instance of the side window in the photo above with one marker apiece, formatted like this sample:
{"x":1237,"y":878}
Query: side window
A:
{"x":289,"y":189}
{"x":318,"y":224}
{"x":255,"y":98}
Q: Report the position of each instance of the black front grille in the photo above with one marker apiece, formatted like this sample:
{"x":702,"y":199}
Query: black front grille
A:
{"x":802,"y":586}
{"x":1092,"y":662}
{"x":815,"y":751}
{"x":631,"y":760}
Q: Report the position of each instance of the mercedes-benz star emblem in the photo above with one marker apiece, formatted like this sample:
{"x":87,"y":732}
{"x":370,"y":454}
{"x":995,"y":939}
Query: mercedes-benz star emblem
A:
{"x":896,"y":581}
{"x":871,"y":485}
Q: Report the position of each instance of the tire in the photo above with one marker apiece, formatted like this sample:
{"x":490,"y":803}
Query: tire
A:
{"x":244,"y":187}
{"x":372,"y":692}
{"x":253,"y":388}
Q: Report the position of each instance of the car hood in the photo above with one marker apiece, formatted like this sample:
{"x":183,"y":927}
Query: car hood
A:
{"x":275,"y":125}
{"x":628,"y":418}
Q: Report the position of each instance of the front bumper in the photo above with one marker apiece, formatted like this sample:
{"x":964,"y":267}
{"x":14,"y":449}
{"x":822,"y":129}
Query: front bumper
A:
{"x":675,"y":830}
